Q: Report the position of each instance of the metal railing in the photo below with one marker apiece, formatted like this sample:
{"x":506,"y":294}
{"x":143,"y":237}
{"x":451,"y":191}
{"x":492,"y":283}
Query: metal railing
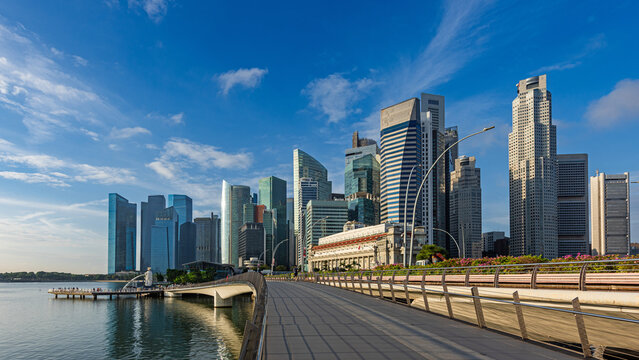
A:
{"x":416,"y":284}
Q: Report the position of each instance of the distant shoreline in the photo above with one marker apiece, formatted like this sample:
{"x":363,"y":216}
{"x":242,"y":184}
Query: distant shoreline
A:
{"x":67,"y":281}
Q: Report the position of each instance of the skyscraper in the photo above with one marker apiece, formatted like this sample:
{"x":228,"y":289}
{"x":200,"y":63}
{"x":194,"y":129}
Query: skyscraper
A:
{"x":207,"y":239}
{"x":450,"y":137}
{"x":610,"y":213}
{"x":361,"y":189}
{"x":572,"y":204}
{"x":122,"y":234}
{"x":323,"y":218}
{"x":183,"y":205}
{"x":401,"y":150}
{"x":312,"y":171}
{"x":164,"y":241}
{"x":148,"y":210}
{"x":187,"y":244}
{"x":233,"y":199}
{"x":465,"y":207}
{"x":361,"y":148}
{"x":272,"y":192}
{"x":290,"y":222}
{"x":532,"y":161}
{"x":250,"y":241}
{"x":434,"y":191}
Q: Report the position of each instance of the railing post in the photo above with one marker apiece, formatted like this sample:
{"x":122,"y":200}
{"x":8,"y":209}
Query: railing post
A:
{"x":370,"y":279}
{"x":447,"y":296}
{"x":379,"y":284}
{"x":361,"y":285}
{"x":467,"y":278}
{"x":424,"y":291}
{"x":533,"y":277}
{"x":339,"y":279}
{"x":392,"y":288}
{"x":520,"y":316}
{"x":478,"y":310}
{"x":496,"y":282}
{"x":582,"y":277}
{"x":352,"y":282}
{"x":406,"y":288}
{"x":581,"y":328}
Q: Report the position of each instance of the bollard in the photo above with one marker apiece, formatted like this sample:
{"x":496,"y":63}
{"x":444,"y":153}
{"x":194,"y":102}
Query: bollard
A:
{"x":478,"y":310}
{"x":581,"y":328}
{"x":520,"y":316}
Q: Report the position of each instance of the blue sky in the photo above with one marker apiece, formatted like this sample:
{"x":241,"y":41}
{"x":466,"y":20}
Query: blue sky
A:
{"x":148,"y":97}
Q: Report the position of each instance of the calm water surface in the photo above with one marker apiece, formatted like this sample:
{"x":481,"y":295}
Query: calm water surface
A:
{"x":35,"y":325}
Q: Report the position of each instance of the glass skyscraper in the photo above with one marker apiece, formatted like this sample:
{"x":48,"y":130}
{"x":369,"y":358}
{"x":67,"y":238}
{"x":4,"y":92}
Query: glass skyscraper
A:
{"x":401,"y":149}
{"x":361,"y":189}
{"x":272,"y":194}
{"x":148,"y":211}
{"x":122,"y":234}
{"x":306,"y":167}
{"x":572,"y":204}
{"x":324,"y":218}
{"x":164,"y":243}
{"x":207,"y":239}
{"x":233,"y":199}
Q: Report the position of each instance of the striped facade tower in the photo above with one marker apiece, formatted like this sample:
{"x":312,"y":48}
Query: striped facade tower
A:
{"x":401,"y":139}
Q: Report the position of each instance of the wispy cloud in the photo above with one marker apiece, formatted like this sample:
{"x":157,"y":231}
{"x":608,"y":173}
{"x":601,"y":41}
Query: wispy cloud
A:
{"x":592,"y":45}
{"x":335,"y":96}
{"x":248,"y":78}
{"x":172,"y":119}
{"x":619,"y":106}
{"x":80,"y":61}
{"x":57,"y":172}
{"x":177,"y":118}
{"x":126,"y":133}
{"x":154,"y":9}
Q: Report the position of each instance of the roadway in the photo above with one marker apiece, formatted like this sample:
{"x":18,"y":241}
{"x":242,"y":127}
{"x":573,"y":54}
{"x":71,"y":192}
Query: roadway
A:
{"x":312,"y":321}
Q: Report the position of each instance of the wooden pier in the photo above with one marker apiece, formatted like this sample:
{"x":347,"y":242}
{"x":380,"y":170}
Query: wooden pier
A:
{"x":84,"y":293}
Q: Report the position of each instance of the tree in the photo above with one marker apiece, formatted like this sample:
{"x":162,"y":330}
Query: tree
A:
{"x":280,"y":268}
{"x":428,"y":251}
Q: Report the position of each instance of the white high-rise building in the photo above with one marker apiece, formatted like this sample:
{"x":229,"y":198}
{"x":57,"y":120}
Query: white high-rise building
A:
{"x":465,"y":207}
{"x":610,"y":214}
{"x":532,"y":165}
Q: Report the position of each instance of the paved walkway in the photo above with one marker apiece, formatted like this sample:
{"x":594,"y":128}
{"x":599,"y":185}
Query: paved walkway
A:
{"x":312,"y":321}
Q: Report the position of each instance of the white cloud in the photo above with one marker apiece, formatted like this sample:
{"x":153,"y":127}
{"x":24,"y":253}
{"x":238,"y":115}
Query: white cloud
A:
{"x":80,"y":61}
{"x":47,"y":165}
{"x":248,"y":78}
{"x":32,"y":178}
{"x":620,"y":105}
{"x":177,"y":118}
{"x":126,"y":133}
{"x":155,"y":9}
{"x":592,"y":45}
{"x":335,"y":96}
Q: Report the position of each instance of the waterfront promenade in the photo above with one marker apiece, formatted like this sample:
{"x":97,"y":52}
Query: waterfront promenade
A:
{"x":312,"y":321}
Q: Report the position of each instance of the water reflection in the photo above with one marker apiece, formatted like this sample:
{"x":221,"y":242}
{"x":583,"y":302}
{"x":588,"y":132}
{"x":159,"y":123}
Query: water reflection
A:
{"x":176,"y":328}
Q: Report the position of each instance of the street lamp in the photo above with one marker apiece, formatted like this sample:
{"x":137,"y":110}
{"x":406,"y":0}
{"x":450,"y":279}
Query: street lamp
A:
{"x":451,"y":236}
{"x":405,"y":203}
{"x":274,"y":250}
{"x":410,"y":258}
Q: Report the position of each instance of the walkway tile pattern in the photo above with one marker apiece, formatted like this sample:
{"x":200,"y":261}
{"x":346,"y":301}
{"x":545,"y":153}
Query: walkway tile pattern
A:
{"x":312,"y":321}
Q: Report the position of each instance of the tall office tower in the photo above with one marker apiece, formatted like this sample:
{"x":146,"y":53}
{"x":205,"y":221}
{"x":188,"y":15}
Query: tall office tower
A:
{"x":433,"y":141}
{"x":272,"y":192}
{"x":250,"y":242}
{"x":532,"y":167}
{"x":306,"y":168}
{"x":122,"y":231}
{"x":465,"y":206}
{"x":401,"y":150}
{"x":490,"y":240}
{"x":290,"y":221}
{"x":164,"y":240}
{"x":148,"y":210}
{"x":233,"y":199}
{"x":187,"y":243}
{"x":324,"y":218}
{"x":207,"y":238}
{"x":361,"y":148}
{"x":450,"y":137}
{"x":610,"y":213}
{"x":254,"y":198}
{"x":252,"y":213}
{"x":361,"y":189}
{"x":184,"y":207}
{"x":572,"y":204}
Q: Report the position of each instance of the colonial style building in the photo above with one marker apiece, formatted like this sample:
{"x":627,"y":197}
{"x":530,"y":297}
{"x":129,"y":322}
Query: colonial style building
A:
{"x":363,"y":248}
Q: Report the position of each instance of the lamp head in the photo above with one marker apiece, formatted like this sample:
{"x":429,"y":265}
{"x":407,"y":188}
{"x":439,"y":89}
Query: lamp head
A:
{"x":489,"y":128}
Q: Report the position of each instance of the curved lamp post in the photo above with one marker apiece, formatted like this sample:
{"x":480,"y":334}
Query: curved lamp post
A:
{"x":274,"y":250}
{"x":451,"y":236}
{"x":410,"y":259}
{"x":405,"y":204}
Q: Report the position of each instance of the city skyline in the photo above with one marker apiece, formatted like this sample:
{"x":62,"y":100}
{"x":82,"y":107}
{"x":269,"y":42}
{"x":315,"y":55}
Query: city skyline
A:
{"x":150,"y":113}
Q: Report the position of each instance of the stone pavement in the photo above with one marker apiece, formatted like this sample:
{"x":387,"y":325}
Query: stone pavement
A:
{"x":313,"y":321}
